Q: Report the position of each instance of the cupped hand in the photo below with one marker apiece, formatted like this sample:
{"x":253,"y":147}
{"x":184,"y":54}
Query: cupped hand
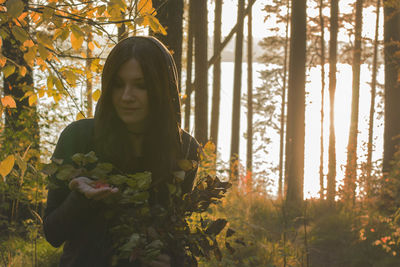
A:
{"x":88,"y":188}
{"x":162,"y":261}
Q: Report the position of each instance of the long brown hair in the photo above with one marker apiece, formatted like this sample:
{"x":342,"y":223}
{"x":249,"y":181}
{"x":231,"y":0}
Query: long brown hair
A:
{"x":162,"y":141}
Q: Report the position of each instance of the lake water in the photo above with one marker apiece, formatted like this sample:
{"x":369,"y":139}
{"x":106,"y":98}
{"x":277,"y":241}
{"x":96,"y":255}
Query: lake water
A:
{"x":313,"y":106}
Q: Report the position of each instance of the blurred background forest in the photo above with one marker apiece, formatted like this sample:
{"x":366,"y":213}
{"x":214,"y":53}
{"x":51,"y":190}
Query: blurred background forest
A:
{"x":295,"y":101}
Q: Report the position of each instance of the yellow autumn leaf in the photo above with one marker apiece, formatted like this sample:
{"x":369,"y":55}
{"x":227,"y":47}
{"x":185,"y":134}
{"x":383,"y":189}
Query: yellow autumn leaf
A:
{"x":15,"y":8}
{"x":30,"y":55}
{"x":209,"y":147}
{"x":145,"y":6}
{"x":7,"y":165}
{"x":22,"y":71}
{"x":80,"y":116}
{"x":1,"y":42}
{"x":8,"y":101}
{"x":155,"y":25}
{"x":91,"y":46}
{"x":8,"y":70}
{"x":57,"y":97}
{"x":3,"y":61}
{"x":20,"y":34}
{"x":32,"y":99}
{"x":96,"y":95}
{"x":28,"y":43}
{"x":41,"y":93}
{"x":76,"y":42}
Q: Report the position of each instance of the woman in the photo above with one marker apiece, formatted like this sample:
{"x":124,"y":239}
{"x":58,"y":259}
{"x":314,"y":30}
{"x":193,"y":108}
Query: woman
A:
{"x":136,"y":127}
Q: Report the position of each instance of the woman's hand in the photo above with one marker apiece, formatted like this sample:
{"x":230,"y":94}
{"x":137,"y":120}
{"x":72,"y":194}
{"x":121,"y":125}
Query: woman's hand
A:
{"x":162,"y":261}
{"x":88,"y":188}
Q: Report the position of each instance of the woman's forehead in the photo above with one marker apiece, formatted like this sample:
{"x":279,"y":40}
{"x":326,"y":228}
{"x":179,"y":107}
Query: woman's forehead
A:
{"x":130,"y":69}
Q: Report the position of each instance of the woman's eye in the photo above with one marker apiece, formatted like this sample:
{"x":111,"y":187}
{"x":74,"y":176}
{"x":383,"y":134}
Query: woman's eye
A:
{"x":118,"y":84}
{"x":141,"y":86}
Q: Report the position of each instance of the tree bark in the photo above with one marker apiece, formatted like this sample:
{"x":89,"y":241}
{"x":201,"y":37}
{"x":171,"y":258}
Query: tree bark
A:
{"x":22,"y":120}
{"x":224,"y":43}
{"x":295,"y":133}
{"x":351,"y":167}
{"x":89,"y":76}
{"x":373,"y":95}
{"x":249,"y":161}
{"x":237,"y":84}
{"x":321,"y":163}
{"x":189,"y":67}
{"x":331,"y":178}
{"x":201,"y":70}
{"x":392,"y":83}
{"x":170,"y":15}
{"x":283,"y":106}
{"x":216,"y":74}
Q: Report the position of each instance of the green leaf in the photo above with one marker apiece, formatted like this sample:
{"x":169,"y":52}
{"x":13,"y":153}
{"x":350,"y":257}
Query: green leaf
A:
{"x":79,"y":159}
{"x":50,"y":168}
{"x":171,"y":188}
{"x":133,"y":242}
{"x":117,"y":179}
{"x":15,"y":8}
{"x":91,"y":157}
{"x":66,"y":172}
{"x":22,"y":164}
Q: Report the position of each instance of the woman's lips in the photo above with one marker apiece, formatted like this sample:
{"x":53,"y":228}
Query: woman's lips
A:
{"x":130,"y":109}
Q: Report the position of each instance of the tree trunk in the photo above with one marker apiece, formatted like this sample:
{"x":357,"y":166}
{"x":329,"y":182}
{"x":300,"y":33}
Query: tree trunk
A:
{"x":201,"y":70}
{"x":89,"y":76}
{"x":216,"y":74}
{"x":331,"y":186}
{"x":189,"y":66}
{"x":283,"y":105}
{"x":249,"y":162}
{"x":170,"y":15}
{"x":392,"y":83}
{"x":351,"y":167}
{"x":295,"y":132}
{"x":224,"y":43}
{"x":22,"y":120}
{"x":373,"y":95}
{"x":237,"y":84}
{"x":321,"y":163}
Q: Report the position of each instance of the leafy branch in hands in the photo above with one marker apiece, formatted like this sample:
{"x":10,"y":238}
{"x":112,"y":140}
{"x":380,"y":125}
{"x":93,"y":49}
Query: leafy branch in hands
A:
{"x":142,"y":230}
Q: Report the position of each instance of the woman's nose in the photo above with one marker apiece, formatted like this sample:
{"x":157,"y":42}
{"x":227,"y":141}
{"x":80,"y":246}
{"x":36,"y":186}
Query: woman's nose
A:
{"x":128,"y":94}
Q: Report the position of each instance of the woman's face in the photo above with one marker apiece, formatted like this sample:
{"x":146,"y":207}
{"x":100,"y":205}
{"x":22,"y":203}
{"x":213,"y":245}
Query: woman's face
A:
{"x":129,"y":96}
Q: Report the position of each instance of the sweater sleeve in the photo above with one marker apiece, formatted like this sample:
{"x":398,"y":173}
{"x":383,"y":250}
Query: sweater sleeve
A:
{"x":67,"y":212}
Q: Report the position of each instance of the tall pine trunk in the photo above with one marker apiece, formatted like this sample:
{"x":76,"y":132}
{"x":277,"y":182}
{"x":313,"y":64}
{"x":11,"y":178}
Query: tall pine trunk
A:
{"x":216,"y":74}
{"x":295,"y":132}
{"x":283,"y":105}
{"x":237,"y":84}
{"x":331,"y":178}
{"x":249,"y":159}
{"x":351,"y":167}
{"x":373,"y":95}
{"x":201,"y":70}
{"x":392,"y":83}
{"x":321,"y":162}
{"x":189,"y":67}
{"x":170,"y":15}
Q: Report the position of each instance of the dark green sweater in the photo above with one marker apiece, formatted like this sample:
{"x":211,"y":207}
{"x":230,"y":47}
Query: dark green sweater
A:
{"x":78,"y":222}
